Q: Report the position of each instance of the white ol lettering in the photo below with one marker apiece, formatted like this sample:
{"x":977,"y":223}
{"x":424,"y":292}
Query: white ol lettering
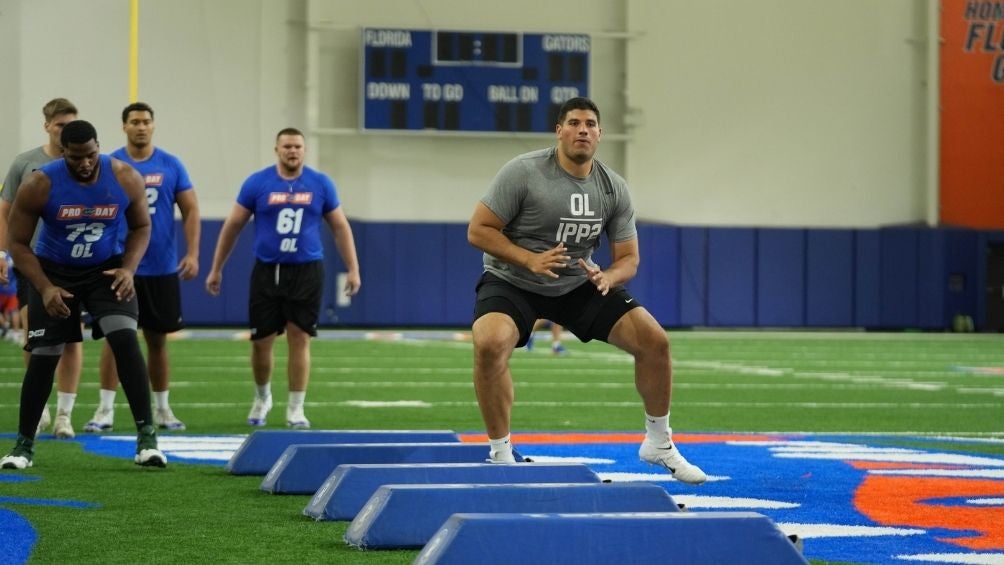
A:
{"x":580,"y":205}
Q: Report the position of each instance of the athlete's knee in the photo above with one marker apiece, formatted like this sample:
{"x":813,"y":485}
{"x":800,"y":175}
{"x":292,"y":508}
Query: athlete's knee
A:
{"x":117,"y":322}
{"x":493,"y":344}
{"x":49,"y":350}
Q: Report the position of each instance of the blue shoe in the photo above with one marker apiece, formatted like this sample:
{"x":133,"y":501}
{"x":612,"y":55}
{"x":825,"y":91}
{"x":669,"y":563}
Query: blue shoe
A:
{"x":529,"y":343}
{"x":559,"y":349}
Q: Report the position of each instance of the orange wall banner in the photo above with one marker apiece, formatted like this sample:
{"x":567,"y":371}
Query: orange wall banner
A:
{"x":972,"y":113}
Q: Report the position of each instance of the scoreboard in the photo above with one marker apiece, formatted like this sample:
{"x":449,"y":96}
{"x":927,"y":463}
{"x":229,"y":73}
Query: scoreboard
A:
{"x":469,"y":81}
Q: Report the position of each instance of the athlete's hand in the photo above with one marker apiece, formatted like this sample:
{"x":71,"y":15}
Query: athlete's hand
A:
{"x":53,"y":297}
{"x":122,"y":283}
{"x":352,"y":283}
{"x":4,"y":275}
{"x":597,"y":277}
{"x":188,"y":268}
{"x":554,"y":258}
{"x":213,"y":281}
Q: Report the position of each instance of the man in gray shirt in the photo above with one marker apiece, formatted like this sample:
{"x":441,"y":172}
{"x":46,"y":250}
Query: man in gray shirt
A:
{"x":538,"y":226}
{"x":58,"y":112}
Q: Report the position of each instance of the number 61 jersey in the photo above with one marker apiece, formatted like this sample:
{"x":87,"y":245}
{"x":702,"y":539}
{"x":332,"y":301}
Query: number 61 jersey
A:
{"x":80,"y":222}
{"x":288,"y":214}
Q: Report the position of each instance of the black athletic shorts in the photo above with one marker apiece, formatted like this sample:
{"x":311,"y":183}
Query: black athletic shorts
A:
{"x":91,"y":289}
{"x":285,"y":292}
{"x":23,"y":284}
{"x":583,"y":311}
{"x":159,"y":299}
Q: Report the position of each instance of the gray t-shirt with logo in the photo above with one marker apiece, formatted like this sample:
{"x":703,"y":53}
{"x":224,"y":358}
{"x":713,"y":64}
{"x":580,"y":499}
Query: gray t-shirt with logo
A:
{"x":541,"y":205}
{"x":19,"y":170}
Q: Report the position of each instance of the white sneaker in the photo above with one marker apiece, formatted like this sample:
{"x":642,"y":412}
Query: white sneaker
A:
{"x":15,"y":462}
{"x":670,"y":459}
{"x":63,"y":429}
{"x":296,"y":419}
{"x":501,"y":456}
{"x":101,"y":421}
{"x":259,"y":410}
{"x":151,"y":458}
{"x":45,"y":420}
{"x":165,"y":420}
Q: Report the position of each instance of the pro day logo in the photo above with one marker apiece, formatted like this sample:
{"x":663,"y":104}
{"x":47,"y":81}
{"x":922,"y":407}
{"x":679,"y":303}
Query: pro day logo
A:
{"x":860,"y":499}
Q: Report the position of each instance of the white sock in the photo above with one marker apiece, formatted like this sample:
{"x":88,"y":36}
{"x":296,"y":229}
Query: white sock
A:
{"x":106,"y":399}
{"x":296,"y":399}
{"x":264,"y":391}
{"x":64,"y":402}
{"x":501,"y":450}
{"x":161,"y":399}
{"x":657,"y":429}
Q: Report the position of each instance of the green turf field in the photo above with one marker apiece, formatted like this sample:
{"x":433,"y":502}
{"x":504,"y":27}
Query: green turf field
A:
{"x":915,"y":384}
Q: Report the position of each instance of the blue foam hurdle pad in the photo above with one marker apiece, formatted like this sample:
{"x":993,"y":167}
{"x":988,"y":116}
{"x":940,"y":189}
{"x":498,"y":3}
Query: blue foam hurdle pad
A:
{"x":262,"y":448}
{"x":348,"y":488}
{"x":694,"y":538}
{"x":302,"y":469}
{"x":406,"y":516}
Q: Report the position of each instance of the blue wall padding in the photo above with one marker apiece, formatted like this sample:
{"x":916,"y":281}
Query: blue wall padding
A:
{"x":705,"y":538}
{"x":829,"y":278}
{"x":961,"y":251}
{"x":423,"y":274}
{"x":693,"y":282}
{"x":348,"y":488}
{"x":407,"y":516}
{"x":780,"y":276}
{"x":867,"y":278}
{"x":302,"y":469}
{"x":898,"y":293}
{"x":262,"y":448}
{"x":732,"y":277}
{"x":932,"y":279}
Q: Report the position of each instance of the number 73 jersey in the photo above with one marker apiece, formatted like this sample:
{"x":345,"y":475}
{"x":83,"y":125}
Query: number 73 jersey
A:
{"x":288,"y":213}
{"x":80,"y":222}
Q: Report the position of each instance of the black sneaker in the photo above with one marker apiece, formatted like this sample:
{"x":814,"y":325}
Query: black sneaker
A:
{"x":147,"y":453}
{"x":20,"y":457}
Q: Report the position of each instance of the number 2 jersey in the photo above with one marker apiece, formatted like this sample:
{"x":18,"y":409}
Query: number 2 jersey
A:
{"x":164,"y":177}
{"x":288,"y":214}
{"x":80,"y":222}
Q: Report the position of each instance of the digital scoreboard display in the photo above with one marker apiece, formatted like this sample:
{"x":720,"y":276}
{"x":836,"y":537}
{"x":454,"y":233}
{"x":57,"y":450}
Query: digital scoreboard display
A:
{"x":469,"y":81}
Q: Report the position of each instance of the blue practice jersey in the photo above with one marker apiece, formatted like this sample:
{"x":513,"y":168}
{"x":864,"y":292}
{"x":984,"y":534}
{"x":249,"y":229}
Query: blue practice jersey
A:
{"x":165,"y":176}
{"x":10,"y":287}
{"x":80,"y":223}
{"x":288,"y":214}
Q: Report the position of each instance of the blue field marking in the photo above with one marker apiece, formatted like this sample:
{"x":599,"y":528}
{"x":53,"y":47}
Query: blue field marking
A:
{"x":820,"y":486}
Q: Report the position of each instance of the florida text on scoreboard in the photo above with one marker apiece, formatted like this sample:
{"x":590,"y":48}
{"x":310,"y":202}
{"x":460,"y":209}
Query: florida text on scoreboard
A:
{"x":469,"y":80}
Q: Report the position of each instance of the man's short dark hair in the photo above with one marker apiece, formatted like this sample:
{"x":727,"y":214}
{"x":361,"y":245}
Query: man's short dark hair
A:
{"x":288,"y":131}
{"x":78,"y":131}
{"x":136,"y":107}
{"x":577,"y":103}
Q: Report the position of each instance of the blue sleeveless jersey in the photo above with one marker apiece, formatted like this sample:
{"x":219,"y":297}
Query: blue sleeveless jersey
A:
{"x":288,"y":214}
{"x":80,"y":223}
{"x":165,"y":176}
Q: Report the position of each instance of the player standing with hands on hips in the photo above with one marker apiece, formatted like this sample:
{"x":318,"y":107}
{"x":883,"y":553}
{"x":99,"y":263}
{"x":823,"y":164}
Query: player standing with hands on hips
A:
{"x":538,"y":226}
{"x":78,"y":261}
{"x":289,"y":201}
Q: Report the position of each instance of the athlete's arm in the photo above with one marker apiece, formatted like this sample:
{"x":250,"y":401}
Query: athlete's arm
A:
{"x":25,"y":213}
{"x":342,"y":232}
{"x":485,"y":233}
{"x":137,"y":216}
{"x":188,"y":267}
{"x":623,"y":268}
{"x":232,"y":226}
{"x":4,"y":214}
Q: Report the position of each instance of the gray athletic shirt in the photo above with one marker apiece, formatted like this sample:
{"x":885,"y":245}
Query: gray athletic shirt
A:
{"x":541,"y":204}
{"x":22,"y":166}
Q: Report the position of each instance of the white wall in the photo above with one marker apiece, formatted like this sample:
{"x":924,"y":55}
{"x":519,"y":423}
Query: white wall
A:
{"x":766,"y":112}
{"x":779,"y":112}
